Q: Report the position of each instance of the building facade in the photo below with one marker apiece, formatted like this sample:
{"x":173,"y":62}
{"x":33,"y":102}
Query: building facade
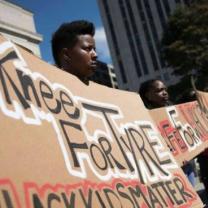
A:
{"x":17,"y":24}
{"x":134,"y":30}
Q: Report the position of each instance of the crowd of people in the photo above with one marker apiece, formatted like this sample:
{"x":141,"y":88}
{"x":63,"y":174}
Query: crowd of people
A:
{"x":74,"y":51}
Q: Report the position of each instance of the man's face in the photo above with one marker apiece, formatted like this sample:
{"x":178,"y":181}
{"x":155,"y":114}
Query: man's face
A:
{"x":158,"y":94}
{"x":82,"y":57}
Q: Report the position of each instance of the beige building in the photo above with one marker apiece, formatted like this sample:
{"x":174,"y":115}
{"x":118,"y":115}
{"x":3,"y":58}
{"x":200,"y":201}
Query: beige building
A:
{"x":18,"y":25}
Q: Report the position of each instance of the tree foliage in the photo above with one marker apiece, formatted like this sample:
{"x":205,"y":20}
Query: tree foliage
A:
{"x":185,"y":41}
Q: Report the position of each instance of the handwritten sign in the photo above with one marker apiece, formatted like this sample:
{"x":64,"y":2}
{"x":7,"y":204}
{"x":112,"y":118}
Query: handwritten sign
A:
{"x":65,"y":144}
{"x":184,"y":128}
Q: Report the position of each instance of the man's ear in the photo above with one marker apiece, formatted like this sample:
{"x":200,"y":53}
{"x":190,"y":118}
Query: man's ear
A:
{"x":64,"y":54}
{"x":148,"y":95}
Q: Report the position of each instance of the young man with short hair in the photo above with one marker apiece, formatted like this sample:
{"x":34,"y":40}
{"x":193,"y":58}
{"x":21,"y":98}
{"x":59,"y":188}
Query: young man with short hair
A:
{"x":73,"y":48}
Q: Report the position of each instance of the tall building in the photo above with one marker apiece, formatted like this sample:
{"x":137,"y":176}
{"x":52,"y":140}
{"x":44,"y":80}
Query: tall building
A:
{"x":18,"y":25}
{"x":134,"y":30}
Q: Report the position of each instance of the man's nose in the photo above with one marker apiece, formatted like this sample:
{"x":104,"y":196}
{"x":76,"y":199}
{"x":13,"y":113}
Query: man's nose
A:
{"x":94,"y":54}
{"x":165,"y":93}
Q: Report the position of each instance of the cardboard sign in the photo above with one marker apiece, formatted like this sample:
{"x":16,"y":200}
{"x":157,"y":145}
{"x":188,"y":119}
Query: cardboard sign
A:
{"x":202,"y":98}
{"x":184,"y":128}
{"x":65,"y":144}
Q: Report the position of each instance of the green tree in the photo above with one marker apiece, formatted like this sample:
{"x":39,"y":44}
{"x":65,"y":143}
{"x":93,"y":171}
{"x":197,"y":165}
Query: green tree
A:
{"x":185,"y":42}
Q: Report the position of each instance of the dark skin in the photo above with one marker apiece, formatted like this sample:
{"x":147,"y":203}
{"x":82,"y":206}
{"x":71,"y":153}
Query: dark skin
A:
{"x":158,"y":95}
{"x":81,"y":59}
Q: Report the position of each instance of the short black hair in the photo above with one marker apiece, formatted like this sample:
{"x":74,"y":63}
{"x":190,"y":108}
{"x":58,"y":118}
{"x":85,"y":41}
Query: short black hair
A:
{"x":145,"y":87}
{"x":66,"y":36}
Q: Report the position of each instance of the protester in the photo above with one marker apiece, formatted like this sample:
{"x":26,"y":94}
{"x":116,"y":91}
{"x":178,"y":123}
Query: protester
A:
{"x":155,"y":95}
{"x":73,"y":48}
{"x":202,"y":159}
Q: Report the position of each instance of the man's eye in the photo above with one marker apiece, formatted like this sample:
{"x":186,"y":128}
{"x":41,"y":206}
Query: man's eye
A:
{"x":88,"y":49}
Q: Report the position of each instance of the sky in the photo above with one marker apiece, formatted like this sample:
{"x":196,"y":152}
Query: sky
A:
{"x":49,"y":15}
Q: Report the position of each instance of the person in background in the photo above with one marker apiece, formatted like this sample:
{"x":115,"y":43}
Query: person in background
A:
{"x":155,"y":95}
{"x":202,"y":159}
{"x":73,"y":49}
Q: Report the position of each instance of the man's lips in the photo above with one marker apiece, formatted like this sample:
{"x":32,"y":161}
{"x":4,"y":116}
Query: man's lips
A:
{"x":93,"y":64}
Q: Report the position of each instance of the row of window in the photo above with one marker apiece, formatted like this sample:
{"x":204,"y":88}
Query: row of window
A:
{"x":145,"y":12}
